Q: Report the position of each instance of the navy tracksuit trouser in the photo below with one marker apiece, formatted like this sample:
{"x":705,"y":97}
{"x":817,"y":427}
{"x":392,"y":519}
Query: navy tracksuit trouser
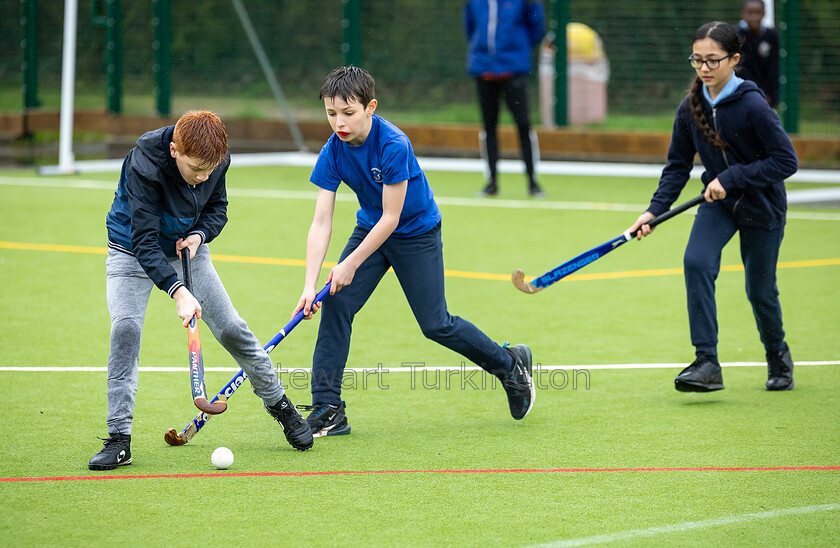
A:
{"x":418,"y":263}
{"x":713,"y":227}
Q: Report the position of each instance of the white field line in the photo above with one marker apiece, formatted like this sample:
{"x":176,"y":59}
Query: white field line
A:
{"x":344,"y":196}
{"x":466,"y":165}
{"x":415,"y":368}
{"x":312,"y":195}
{"x":690,"y":525}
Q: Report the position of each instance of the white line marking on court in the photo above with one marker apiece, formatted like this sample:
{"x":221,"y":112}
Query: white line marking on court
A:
{"x":55,"y":182}
{"x":415,"y":368}
{"x":810,"y":195}
{"x":466,"y":165}
{"x":804,"y":216}
{"x":341,"y":196}
{"x":689,"y":525}
{"x":345,"y":196}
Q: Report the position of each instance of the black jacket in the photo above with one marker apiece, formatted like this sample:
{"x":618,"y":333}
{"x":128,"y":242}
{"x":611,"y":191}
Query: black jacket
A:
{"x":154,"y":206}
{"x":760,"y":60}
{"x":752,"y":170}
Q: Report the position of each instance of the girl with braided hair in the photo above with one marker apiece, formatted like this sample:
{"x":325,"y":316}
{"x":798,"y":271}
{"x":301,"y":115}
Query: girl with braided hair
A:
{"x":747,"y":156}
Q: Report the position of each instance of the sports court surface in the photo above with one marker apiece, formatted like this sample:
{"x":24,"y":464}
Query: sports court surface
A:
{"x":611,"y":453}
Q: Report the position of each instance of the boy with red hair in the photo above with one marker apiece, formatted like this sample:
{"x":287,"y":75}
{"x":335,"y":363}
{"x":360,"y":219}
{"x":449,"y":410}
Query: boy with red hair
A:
{"x":171,"y":196}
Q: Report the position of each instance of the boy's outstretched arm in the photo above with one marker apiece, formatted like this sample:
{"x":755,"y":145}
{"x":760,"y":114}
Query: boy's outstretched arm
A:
{"x":317,"y":243}
{"x":393,"y":198}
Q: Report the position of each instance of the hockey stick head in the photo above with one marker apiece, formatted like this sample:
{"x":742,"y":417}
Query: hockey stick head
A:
{"x":184,"y":436}
{"x":518,"y":279}
{"x":211,"y":408}
{"x":173,"y":438}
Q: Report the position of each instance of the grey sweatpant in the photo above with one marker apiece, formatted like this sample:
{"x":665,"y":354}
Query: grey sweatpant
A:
{"x":128,"y":289}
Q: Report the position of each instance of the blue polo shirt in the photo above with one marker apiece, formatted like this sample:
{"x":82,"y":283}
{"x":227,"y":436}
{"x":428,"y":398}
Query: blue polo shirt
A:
{"x":385,"y":158}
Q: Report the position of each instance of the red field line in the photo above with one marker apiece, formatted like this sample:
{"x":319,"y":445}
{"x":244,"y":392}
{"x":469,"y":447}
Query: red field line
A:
{"x":491,"y":471}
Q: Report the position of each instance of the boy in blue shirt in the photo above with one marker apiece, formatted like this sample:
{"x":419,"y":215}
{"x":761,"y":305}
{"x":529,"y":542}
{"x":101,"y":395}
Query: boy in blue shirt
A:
{"x":398,"y":226}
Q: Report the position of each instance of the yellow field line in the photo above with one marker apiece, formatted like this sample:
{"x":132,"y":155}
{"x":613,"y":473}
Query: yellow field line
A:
{"x":475,"y":275}
{"x":54,"y":247}
{"x":448,"y":273}
{"x":813,"y":262}
{"x":676,"y":271}
{"x":259,"y":260}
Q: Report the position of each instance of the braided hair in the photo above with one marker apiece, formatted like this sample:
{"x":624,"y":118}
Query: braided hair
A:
{"x":725,"y":35}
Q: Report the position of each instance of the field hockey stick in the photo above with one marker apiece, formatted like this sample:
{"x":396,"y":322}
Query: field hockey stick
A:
{"x":196,"y":360}
{"x":559,"y":272}
{"x":184,"y":436}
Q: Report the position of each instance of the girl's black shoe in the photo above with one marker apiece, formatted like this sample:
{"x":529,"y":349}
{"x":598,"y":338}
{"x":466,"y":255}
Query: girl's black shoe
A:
{"x":703,"y":375}
{"x":780,"y":370}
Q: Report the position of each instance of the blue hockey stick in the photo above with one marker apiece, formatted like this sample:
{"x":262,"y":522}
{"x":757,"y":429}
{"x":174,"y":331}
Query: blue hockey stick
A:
{"x":559,"y":272}
{"x":184,"y":436}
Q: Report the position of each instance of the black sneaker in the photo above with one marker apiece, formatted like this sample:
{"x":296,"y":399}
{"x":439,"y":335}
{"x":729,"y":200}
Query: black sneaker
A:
{"x":490,"y":190}
{"x":780,"y":370}
{"x":327,"y":419}
{"x":518,"y":383}
{"x":535,"y":191}
{"x":703,"y":375}
{"x":116,"y":452}
{"x":295,"y":429}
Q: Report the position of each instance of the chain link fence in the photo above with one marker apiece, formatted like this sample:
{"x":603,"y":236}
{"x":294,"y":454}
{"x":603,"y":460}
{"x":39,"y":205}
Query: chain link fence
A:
{"x":416,"y":50}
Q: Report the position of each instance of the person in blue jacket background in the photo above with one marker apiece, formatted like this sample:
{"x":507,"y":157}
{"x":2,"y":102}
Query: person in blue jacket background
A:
{"x":501,"y":35}
{"x":747,"y":156}
{"x":171,"y":196}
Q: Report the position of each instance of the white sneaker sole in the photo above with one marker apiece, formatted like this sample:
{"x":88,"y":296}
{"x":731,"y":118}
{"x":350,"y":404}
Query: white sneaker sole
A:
{"x":533,"y":395}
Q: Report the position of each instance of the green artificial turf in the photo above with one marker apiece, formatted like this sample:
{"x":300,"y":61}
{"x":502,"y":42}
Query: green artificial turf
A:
{"x":612,"y":452}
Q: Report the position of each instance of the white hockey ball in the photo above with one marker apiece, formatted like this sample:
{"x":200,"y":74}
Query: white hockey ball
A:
{"x":222,"y":458}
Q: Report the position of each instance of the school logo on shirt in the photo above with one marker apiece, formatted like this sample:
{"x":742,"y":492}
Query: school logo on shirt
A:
{"x":764,"y":49}
{"x":377,"y":174}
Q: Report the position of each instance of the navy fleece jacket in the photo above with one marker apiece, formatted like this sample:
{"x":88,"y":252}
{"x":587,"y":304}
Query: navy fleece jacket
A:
{"x":154,"y":206}
{"x":752,"y":170}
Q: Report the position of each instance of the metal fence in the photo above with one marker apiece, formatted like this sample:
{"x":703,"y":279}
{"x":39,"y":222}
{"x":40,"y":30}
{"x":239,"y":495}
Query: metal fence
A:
{"x":416,"y":49}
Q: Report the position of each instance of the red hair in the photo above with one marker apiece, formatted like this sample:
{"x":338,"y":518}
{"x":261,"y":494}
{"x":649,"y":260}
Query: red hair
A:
{"x":201,"y":134}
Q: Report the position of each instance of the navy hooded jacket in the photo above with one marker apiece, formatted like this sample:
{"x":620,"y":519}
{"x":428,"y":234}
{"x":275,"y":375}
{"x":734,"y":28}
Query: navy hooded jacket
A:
{"x":752,"y":170}
{"x":501,"y":34}
{"x":154,"y":206}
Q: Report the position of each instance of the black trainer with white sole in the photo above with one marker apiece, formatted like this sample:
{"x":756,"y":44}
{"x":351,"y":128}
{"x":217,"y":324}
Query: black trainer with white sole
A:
{"x":115,"y":452}
{"x":327,"y":419}
{"x":518,"y":383}
{"x":295,"y":429}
